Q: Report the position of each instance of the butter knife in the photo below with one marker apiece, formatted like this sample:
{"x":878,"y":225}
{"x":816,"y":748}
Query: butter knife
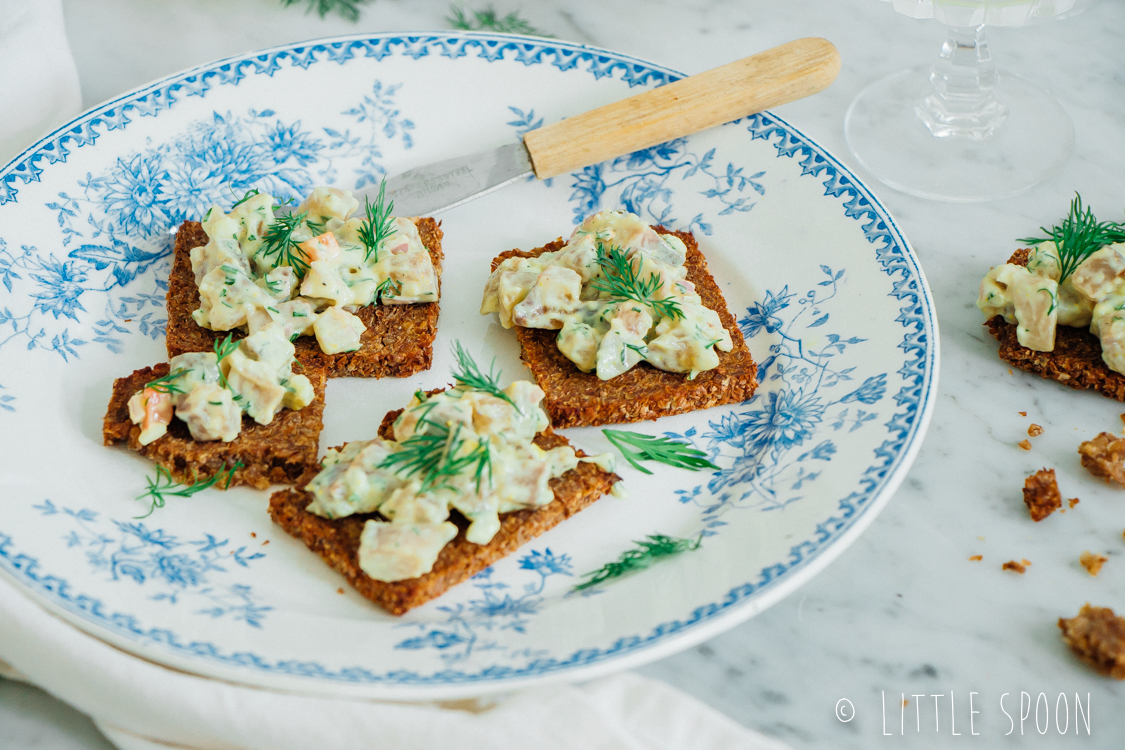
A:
{"x":777,"y":76}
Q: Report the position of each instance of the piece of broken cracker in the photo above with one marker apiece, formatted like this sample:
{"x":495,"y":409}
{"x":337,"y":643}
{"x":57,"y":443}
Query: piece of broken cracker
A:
{"x":1041,"y":494}
{"x":1097,"y":636}
{"x":1092,"y":563}
{"x":1014,"y":566}
{"x":1104,"y":457}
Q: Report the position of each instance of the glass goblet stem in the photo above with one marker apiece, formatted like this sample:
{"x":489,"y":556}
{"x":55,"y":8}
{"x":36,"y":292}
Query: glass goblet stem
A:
{"x":963,"y":100}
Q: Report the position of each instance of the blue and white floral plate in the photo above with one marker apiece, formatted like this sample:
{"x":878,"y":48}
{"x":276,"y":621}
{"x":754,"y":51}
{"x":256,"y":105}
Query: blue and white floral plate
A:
{"x":828,"y":294}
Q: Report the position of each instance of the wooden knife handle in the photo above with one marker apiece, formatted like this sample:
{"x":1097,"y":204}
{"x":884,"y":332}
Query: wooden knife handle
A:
{"x":777,"y":76}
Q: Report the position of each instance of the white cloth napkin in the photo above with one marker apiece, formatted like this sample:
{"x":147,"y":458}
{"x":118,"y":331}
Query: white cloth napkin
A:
{"x":38,"y":80}
{"x":140,"y":705}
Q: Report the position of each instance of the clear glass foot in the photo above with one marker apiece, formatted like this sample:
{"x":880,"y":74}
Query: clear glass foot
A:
{"x":960,"y":130}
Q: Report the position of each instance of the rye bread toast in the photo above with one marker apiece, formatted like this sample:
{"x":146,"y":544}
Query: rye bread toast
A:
{"x":278,"y":453}
{"x":337,"y":541}
{"x":575,"y":398}
{"x":1076,"y":360}
{"x":398,"y":341}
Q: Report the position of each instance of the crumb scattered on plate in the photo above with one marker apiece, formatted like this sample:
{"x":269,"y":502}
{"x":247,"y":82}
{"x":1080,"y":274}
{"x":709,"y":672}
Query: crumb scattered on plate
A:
{"x":1014,"y":566}
{"x":339,"y":591}
{"x":1024,"y":413}
{"x":1041,"y":494}
{"x":1104,"y":457}
{"x":1092,"y":563}
{"x":1073,"y":501}
{"x":1025,"y":444}
{"x":1097,"y":636}
{"x":1034,"y":430}
{"x":976,"y":558}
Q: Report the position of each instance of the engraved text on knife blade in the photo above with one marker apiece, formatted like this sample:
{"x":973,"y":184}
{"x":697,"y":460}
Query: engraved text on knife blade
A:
{"x":443,"y":185}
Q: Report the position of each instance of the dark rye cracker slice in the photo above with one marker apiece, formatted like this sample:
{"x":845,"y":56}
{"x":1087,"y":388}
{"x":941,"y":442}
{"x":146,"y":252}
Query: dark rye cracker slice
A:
{"x":277,"y":453}
{"x":337,"y":542}
{"x":1076,"y":360}
{"x":398,"y":341}
{"x":575,"y":398}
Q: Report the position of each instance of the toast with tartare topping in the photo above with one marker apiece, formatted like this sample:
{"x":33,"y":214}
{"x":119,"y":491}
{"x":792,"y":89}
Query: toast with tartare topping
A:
{"x":1076,"y":359}
{"x":398,"y":340}
{"x":280,"y":452}
{"x":337,"y":541}
{"x":576,"y":398}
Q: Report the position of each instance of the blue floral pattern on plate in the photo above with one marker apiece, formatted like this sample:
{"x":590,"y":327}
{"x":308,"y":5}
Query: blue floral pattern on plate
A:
{"x":119,"y":223}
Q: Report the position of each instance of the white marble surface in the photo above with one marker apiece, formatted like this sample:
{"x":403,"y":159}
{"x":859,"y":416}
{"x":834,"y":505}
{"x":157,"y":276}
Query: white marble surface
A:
{"x":903,"y":611}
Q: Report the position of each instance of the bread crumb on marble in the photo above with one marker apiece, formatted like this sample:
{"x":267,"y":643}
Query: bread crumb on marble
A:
{"x":1041,"y":494}
{"x":1092,"y":563}
{"x":1097,"y":636}
{"x":1104,"y":457}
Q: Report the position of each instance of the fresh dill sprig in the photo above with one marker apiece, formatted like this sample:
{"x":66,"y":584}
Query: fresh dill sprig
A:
{"x":1078,"y":236}
{"x":434,"y":455}
{"x":224,"y":349}
{"x":472,"y":377}
{"x":654,"y":547}
{"x":388,"y":287}
{"x":167,"y":384}
{"x":621,"y":282}
{"x":348,"y":9}
{"x":482,"y":458}
{"x":662,"y":449}
{"x":465,"y":18}
{"x":248,"y":195}
{"x":278,"y":240}
{"x":163,"y":486}
{"x":378,"y":224}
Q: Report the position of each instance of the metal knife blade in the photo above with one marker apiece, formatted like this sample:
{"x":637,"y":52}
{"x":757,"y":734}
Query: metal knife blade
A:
{"x":445,"y":184}
{"x":777,"y":76}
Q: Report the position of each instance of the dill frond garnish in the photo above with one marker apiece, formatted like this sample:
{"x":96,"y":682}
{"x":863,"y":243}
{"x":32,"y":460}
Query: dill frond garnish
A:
{"x":473,"y":378}
{"x":167,"y":384}
{"x":467,"y":19}
{"x":621,"y":282}
{"x":482,"y":458}
{"x":348,"y":9}
{"x":662,"y":449}
{"x":388,"y":287}
{"x":653,"y":548}
{"x":434,"y":454}
{"x":278,"y":240}
{"x":224,"y":349}
{"x":378,"y":224}
{"x":163,"y":486}
{"x":247,"y":196}
{"x":1078,"y":236}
